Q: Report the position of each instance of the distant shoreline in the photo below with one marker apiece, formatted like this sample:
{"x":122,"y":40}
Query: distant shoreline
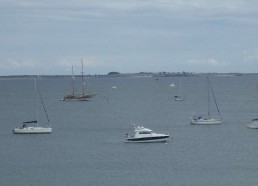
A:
{"x":140,"y":74}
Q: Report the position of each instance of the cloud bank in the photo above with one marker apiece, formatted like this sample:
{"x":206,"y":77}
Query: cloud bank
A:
{"x":128,"y":36}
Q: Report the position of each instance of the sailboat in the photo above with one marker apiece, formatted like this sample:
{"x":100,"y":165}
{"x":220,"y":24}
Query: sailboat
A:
{"x":32,"y":127}
{"x":180,"y":97}
{"x":254,"y":123}
{"x":207,"y":119}
{"x":78,"y":96}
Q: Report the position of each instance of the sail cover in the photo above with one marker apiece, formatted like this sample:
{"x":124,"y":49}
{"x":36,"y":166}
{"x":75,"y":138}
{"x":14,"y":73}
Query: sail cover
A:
{"x":34,"y":121}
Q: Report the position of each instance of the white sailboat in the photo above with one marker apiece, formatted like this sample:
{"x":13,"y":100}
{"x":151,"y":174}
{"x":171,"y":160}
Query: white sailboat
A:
{"x":32,"y":127}
{"x":207,"y":119}
{"x":78,"y":96}
{"x":180,"y":97}
{"x":253,"y":124}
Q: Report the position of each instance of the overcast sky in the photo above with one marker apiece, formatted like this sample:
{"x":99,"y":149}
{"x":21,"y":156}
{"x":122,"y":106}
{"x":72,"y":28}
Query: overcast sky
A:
{"x":48,"y":37}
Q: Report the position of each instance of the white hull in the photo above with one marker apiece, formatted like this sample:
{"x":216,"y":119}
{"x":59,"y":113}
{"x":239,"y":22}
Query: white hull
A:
{"x":32,"y":130}
{"x":179,"y":99}
{"x":206,"y":122}
{"x":253,"y":125}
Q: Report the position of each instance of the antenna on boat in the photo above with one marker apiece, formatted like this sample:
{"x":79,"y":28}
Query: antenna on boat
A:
{"x":133,"y":125}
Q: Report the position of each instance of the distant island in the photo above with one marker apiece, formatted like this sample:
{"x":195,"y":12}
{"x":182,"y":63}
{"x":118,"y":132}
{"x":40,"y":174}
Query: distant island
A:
{"x":171,"y":74}
{"x":113,"y":73}
{"x":139,"y":74}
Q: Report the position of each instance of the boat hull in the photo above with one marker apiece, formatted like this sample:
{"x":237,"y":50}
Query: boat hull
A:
{"x":179,"y":99}
{"x":147,"y":139}
{"x":78,"y":97}
{"x":253,"y":125}
{"x":206,"y":122}
{"x":75,"y":99}
{"x":32,"y":130}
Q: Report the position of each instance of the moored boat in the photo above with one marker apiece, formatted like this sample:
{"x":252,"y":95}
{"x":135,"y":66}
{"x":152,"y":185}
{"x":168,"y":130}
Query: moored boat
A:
{"x":32,"y":127}
{"x":200,"y":120}
{"x":78,"y":96}
{"x":253,"y":124}
{"x":32,"y":130}
{"x":144,"y":135}
{"x":206,"y":119}
{"x":179,"y":97}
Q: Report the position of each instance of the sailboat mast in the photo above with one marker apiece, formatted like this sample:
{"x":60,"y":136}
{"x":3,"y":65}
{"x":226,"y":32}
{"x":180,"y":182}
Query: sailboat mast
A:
{"x":35,"y":92}
{"x":83,"y":82}
{"x":72,"y":80}
{"x":180,"y":90}
{"x":42,"y":103}
{"x":214,"y":98}
{"x":208,"y":89}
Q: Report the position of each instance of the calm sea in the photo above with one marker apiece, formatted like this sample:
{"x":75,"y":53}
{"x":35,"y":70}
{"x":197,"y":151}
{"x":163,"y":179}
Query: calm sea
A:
{"x":87,"y":144}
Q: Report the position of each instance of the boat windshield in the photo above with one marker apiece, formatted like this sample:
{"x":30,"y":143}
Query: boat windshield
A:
{"x":144,"y":132}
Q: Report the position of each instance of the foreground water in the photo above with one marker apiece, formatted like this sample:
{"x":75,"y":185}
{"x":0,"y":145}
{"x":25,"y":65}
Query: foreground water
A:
{"x":87,"y":144}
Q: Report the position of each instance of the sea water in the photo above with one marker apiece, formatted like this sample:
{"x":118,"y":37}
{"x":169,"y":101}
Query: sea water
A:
{"x":87,"y":144}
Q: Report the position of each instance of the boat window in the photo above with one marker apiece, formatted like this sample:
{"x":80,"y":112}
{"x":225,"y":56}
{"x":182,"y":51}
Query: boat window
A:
{"x":144,"y":132}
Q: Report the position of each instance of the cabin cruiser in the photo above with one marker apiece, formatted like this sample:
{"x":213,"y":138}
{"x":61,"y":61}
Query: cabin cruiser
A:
{"x":144,"y":135}
{"x":253,"y":124}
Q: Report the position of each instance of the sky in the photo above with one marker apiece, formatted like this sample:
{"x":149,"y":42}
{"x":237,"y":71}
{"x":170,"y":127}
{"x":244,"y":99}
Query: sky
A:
{"x":49,"y":37}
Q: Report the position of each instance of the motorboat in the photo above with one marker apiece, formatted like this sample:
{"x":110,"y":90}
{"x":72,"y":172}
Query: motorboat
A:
{"x":200,"y":120}
{"x":24,"y":129}
{"x":143,"y":135}
{"x":253,"y":124}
